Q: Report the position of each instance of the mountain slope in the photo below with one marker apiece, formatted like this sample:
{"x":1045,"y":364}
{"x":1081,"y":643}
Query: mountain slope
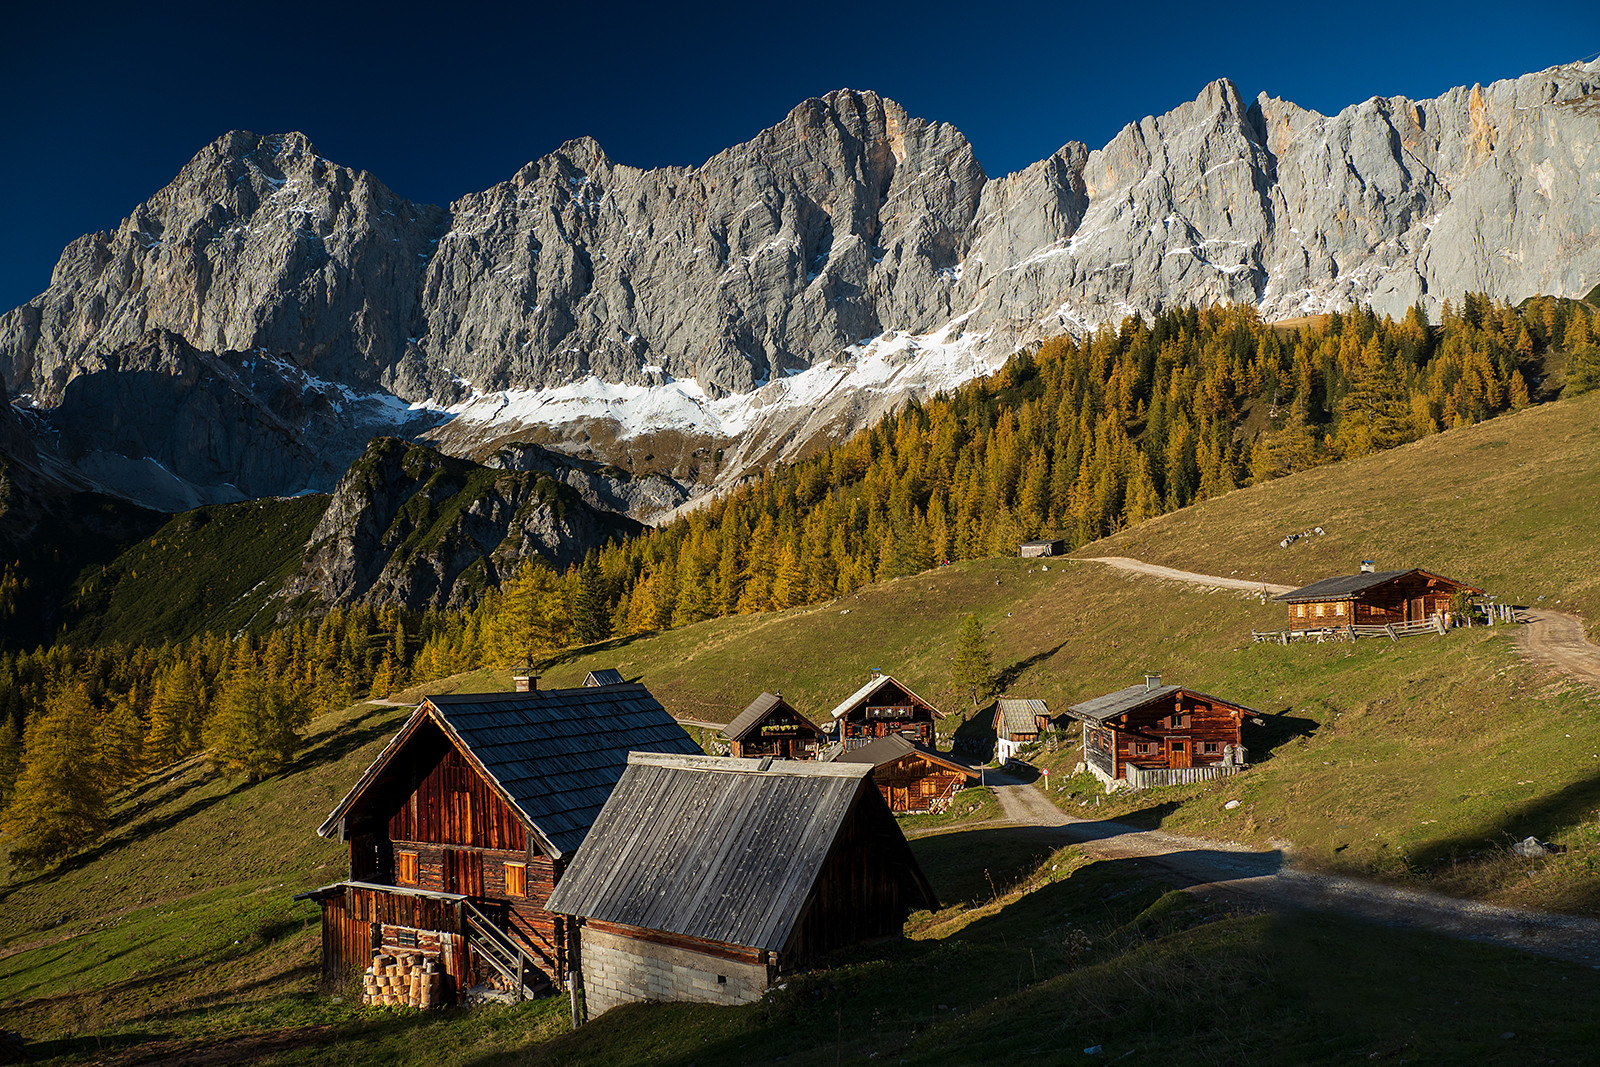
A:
{"x":810,"y":278}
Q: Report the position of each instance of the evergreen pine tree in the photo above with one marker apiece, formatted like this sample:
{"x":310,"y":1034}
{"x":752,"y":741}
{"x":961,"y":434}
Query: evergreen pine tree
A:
{"x":972,"y":672}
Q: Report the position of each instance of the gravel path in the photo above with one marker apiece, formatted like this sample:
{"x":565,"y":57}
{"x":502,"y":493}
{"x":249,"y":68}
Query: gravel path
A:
{"x":1557,"y":640}
{"x":1126,"y":564}
{"x":1266,"y":879}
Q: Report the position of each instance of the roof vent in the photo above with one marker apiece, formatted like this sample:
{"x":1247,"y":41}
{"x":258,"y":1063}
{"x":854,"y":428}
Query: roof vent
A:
{"x":526,"y":683}
{"x":877,"y":672}
{"x":1152,"y":681}
{"x":1367,"y":567}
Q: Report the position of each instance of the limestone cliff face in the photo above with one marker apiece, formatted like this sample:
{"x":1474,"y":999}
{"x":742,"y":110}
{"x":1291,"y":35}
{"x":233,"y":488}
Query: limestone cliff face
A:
{"x":846,"y":221}
{"x":410,"y":526}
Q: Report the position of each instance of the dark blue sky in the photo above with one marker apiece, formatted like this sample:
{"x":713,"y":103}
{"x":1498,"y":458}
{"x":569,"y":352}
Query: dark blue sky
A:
{"x":103,"y":105}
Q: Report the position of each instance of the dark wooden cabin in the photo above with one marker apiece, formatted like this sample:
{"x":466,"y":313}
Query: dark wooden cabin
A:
{"x":882,"y":707}
{"x":707,"y":879}
{"x":1018,"y":721}
{"x":462,"y":827}
{"x":1372,"y":598}
{"x":1154,"y":734}
{"x":771,"y":727}
{"x":912,"y":778}
{"x":1047,"y":547}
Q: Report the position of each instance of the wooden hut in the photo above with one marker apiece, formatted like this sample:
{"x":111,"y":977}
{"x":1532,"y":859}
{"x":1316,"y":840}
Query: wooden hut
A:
{"x":1372,"y":598}
{"x":465,"y":822}
{"x":1047,"y":547}
{"x":1017,"y":722}
{"x":882,"y":707}
{"x":706,"y":879}
{"x":604,"y":676}
{"x":912,"y":778}
{"x":1154,"y":734}
{"x":770,"y":727}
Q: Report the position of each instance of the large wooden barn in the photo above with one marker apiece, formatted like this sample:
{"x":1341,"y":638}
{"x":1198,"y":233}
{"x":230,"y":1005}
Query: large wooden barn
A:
{"x":882,"y":707}
{"x":1154,"y":734}
{"x":465,"y":822}
{"x":706,"y":879}
{"x":910,"y":777}
{"x":771,"y":727}
{"x":1372,"y":598}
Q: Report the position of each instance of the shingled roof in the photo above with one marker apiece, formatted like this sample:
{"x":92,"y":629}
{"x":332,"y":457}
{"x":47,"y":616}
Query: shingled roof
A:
{"x":873,"y":685}
{"x":1019,"y":715}
{"x":553,"y":755}
{"x":1345,"y":586}
{"x":758,"y":710}
{"x":1111,"y":705}
{"x":604,"y":676}
{"x":724,"y":850}
{"x":891,"y":747}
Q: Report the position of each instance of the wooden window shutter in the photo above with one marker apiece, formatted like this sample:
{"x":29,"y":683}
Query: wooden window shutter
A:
{"x":516,"y":879}
{"x":405,"y":868}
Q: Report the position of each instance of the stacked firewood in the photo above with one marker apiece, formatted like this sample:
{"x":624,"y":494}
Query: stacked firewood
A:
{"x":404,"y":980}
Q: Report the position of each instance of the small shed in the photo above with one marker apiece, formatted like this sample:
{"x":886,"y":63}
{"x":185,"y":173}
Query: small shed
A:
{"x":1372,"y":598}
{"x":706,"y":879}
{"x":1154,"y":734}
{"x":466,"y":821}
{"x":1018,"y":721}
{"x":1033,"y":549}
{"x":604,"y":676}
{"x":910,"y":777}
{"x":882,"y":707}
{"x":770,"y":727}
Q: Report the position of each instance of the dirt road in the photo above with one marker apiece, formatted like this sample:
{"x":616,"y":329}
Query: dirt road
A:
{"x":1557,"y":640}
{"x":1126,"y":564}
{"x":1268,"y":880}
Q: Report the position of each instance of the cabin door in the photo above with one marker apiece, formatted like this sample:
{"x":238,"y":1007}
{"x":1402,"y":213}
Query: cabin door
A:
{"x":1418,"y":612}
{"x":463,"y":872}
{"x":1178,"y":754}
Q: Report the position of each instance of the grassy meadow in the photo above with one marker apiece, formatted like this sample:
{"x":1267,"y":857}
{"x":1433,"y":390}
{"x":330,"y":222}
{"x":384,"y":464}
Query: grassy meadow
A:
{"x":177,"y":940}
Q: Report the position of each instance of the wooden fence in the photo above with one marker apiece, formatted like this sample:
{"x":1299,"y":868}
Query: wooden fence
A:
{"x":1393,"y":631}
{"x":1142,"y":778}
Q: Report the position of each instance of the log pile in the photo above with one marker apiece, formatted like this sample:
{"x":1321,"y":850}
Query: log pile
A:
{"x":403,"y":979}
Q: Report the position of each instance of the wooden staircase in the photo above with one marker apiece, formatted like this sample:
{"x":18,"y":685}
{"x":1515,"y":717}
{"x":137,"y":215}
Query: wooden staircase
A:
{"x":517,"y":965}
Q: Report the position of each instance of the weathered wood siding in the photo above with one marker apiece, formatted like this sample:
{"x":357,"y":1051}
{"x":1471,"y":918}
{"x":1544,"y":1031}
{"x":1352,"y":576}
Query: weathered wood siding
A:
{"x":1099,"y":748}
{"x":889,"y":710}
{"x":1147,"y":736}
{"x":781,"y":733}
{"x":352,"y":924}
{"x":862,"y":891}
{"x":913,"y":783}
{"x":453,"y":805}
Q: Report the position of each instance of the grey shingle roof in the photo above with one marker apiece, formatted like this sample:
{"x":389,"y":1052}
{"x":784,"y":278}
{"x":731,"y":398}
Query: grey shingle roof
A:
{"x":1019,"y":715}
{"x":750,"y":716}
{"x":1348,"y":585}
{"x":891,"y":747}
{"x":721,"y":849}
{"x":1136,"y":696}
{"x":872,"y":686}
{"x":604,"y":676}
{"x":553,"y":754}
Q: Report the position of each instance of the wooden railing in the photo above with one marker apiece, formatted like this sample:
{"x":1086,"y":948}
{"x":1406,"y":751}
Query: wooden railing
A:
{"x":1393,"y":631}
{"x":506,"y":955}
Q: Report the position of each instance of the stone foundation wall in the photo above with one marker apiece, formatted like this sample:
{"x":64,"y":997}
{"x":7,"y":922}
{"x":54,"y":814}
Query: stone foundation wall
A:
{"x":622,"y":970}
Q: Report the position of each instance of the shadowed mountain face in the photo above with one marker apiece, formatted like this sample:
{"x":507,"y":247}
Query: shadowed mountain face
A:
{"x":285,"y":288}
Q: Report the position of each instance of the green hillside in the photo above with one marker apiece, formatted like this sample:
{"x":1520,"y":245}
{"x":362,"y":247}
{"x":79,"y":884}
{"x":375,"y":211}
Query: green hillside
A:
{"x":206,"y":570}
{"x":1413,"y":762}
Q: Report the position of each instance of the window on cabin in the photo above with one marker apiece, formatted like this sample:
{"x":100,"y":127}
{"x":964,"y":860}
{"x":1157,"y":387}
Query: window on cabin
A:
{"x":1338,"y":609}
{"x":516,"y":879}
{"x":1211,"y":748}
{"x":1319,"y":610}
{"x":405,"y":868}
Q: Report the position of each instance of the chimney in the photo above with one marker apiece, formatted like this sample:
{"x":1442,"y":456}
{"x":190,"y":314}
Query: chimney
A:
{"x":1367,"y":567}
{"x":876,"y":674}
{"x":1152,"y":681}
{"x":526,"y":683}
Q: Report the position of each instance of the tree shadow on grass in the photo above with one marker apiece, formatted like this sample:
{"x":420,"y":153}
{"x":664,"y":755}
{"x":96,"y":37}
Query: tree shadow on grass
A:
{"x":1275,"y":731}
{"x":1008,"y":675}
